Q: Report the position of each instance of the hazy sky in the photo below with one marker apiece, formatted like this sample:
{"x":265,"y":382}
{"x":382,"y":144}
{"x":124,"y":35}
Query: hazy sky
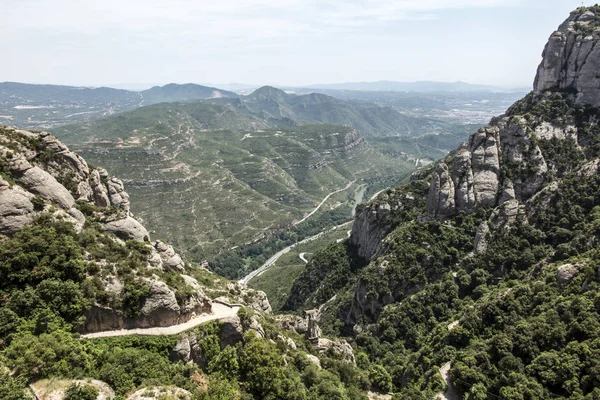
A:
{"x":278,"y":42}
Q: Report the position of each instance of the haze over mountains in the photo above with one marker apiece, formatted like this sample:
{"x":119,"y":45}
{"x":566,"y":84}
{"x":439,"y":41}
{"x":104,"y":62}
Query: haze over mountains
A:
{"x":420,"y":87}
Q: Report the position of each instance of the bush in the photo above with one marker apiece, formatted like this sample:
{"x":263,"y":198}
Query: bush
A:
{"x":81,"y":392}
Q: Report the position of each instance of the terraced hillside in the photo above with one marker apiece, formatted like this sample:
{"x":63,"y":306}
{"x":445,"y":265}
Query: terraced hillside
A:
{"x":207,"y":190}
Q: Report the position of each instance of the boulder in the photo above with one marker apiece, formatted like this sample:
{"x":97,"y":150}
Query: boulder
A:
{"x":99,"y":191}
{"x":170,"y":259}
{"x":127,"y":228}
{"x":16,"y":208}
{"x":567,"y":272}
{"x":338,"y":348}
{"x":117,"y":194}
{"x":314,"y":360}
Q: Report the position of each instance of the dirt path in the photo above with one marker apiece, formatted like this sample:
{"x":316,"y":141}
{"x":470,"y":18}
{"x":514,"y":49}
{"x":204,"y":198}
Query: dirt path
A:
{"x":303,"y":258}
{"x":219,"y":311}
{"x":323,"y":202}
{"x":450,"y":393}
{"x":277,"y":255}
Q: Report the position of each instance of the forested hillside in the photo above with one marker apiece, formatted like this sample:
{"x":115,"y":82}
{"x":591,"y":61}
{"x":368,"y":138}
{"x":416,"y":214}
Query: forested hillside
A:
{"x":487,"y":260}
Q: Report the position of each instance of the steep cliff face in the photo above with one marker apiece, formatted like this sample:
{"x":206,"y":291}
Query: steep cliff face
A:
{"x":572,"y":59}
{"x":478,"y":175}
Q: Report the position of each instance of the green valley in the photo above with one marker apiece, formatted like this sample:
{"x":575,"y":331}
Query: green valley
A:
{"x":210,"y":177}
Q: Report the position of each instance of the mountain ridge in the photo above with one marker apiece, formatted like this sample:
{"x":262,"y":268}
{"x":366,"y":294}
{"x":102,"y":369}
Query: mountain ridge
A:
{"x":481,"y":259}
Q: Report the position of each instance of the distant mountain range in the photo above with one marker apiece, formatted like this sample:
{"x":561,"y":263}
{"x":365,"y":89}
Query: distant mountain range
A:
{"x":157,"y":94}
{"x":272,"y":104}
{"x":421,"y":87}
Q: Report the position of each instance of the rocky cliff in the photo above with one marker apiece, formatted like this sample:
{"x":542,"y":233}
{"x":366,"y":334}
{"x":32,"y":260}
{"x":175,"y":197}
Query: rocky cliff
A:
{"x":41,"y":178}
{"x":508,"y":173}
{"x":571,"y":59}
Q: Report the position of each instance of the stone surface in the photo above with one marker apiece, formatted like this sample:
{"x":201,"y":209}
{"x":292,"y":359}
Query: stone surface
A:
{"x":571,"y":61}
{"x":127,"y":229}
{"x":339,"y":348}
{"x":16,"y":208}
{"x":170,"y":259}
{"x":292,"y":323}
{"x":161,"y":392}
{"x":567,"y":272}
{"x":374,"y":222}
{"x":231,"y":331}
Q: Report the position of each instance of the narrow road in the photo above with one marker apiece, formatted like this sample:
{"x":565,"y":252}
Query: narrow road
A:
{"x":266,"y":265}
{"x":376,"y":194}
{"x":219,"y":311}
{"x":323,"y":202}
{"x":303,"y":258}
{"x":450,"y":393}
{"x":277,"y":255}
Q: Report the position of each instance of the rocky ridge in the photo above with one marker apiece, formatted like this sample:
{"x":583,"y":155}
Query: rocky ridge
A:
{"x":571,"y":59}
{"x":512,"y":168}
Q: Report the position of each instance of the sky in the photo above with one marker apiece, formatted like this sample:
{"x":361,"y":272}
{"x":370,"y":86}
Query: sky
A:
{"x":276,"y":42}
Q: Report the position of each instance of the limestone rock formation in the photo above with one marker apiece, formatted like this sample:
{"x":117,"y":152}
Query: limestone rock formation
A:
{"x":159,"y":308}
{"x":45,"y":167}
{"x":16,"y":208}
{"x":571,"y":60}
{"x":374,"y":222}
{"x":40,"y":175}
{"x":339,"y":348}
{"x":168,"y":257}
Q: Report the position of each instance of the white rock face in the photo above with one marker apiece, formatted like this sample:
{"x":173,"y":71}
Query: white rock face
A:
{"x":99,"y":191}
{"x":117,"y":194}
{"x":571,"y":61}
{"x":472,"y":177}
{"x":42,"y":183}
{"x":169,"y":258}
{"x":16,"y":208}
{"x":567,"y":272}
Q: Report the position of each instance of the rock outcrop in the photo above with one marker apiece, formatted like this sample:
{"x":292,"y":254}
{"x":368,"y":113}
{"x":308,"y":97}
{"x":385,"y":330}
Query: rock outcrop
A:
{"x":369,"y":228}
{"x":16,"y":208}
{"x":567,"y":272}
{"x":376,"y":220}
{"x":40,"y":175}
{"x":159,"y":308}
{"x":337,"y":348}
{"x":43,"y":166}
{"x":571,"y":60}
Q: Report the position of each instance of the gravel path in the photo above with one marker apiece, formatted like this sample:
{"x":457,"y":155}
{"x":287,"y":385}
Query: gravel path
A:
{"x":323,"y":202}
{"x":450,"y":393}
{"x":219,"y":311}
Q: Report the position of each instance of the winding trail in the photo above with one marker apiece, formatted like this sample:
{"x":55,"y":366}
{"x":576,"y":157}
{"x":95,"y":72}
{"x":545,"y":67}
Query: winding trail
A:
{"x":277,"y":255}
{"x":219,"y":311}
{"x":323,"y":202}
{"x":303,"y":258}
